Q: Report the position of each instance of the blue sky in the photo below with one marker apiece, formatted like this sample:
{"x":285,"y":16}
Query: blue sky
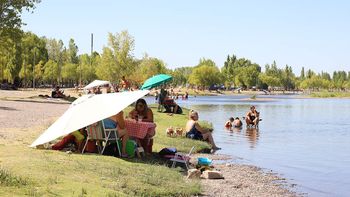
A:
{"x":313,"y":34}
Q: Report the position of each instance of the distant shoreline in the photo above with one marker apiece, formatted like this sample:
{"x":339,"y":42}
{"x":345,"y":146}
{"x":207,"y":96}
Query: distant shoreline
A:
{"x":298,"y":94}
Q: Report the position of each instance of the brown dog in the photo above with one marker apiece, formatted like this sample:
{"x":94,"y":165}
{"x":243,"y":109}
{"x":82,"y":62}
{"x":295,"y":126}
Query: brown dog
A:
{"x":179,"y":131}
{"x":170,"y":131}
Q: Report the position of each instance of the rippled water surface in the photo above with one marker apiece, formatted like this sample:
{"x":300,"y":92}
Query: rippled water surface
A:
{"x":305,"y":140}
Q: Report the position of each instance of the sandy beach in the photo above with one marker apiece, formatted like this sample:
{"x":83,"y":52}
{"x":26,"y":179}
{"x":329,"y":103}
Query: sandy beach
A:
{"x":22,"y":121}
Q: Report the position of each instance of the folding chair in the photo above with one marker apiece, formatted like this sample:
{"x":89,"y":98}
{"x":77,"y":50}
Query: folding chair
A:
{"x":101,"y":134}
{"x":182,"y":158}
{"x":111,"y":137}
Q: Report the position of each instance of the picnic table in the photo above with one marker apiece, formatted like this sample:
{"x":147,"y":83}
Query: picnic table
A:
{"x":143,"y":131}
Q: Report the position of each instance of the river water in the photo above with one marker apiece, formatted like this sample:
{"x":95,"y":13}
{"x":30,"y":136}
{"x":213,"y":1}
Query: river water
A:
{"x":307,"y":141}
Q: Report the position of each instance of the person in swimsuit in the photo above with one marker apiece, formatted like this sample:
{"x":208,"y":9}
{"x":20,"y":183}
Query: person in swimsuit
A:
{"x":141,"y":111}
{"x":229,"y":123}
{"x":195,"y":131}
{"x":237,"y":123}
{"x":252,"y":117}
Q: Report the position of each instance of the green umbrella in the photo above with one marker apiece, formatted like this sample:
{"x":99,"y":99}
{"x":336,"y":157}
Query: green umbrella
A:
{"x":155,"y":81}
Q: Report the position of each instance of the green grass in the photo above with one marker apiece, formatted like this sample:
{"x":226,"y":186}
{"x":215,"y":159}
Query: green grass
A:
{"x":177,"y":120}
{"x":326,"y":94}
{"x":8,"y":179}
{"x":32,"y":172}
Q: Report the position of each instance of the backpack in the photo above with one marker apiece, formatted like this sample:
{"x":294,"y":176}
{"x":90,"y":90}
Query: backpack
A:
{"x":167,"y":151}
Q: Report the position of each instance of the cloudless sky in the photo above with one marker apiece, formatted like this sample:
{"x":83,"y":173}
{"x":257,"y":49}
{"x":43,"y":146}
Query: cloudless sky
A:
{"x":313,"y":34}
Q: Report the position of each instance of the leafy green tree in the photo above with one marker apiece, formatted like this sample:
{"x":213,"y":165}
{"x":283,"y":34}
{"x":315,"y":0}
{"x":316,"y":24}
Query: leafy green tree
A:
{"x":10,"y":37}
{"x":87,"y":67}
{"x":228,"y":70}
{"x":310,"y":74}
{"x":11,"y":12}
{"x":51,"y":72}
{"x":33,"y":51}
{"x":69,"y":73}
{"x":302,"y":73}
{"x":326,"y":76}
{"x":117,"y":59}
{"x":73,"y":52}
{"x":339,"y":79}
{"x":107,"y":68}
{"x":26,"y":73}
{"x":271,"y":81}
{"x":206,"y":62}
{"x":10,"y":19}
{"x":10,"y":66}
{"x":288,"y":78}
{"x":39,"y":71}
{"x":247,"y":76}
{"x":273,"y":75}
{"x":55,"y":49}
{"x":181,"y":75}
{"x":240,"y":72}
{"x":147,"y":68}
{"x":315,"y":83}
{"x":122,"y":45}
{"x":56,"y":53}
{"x":205,"y":75}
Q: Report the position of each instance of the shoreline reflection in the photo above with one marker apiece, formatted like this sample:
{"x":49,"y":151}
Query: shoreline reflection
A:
{"x":252,"y":135}
{"x":233,"y":129}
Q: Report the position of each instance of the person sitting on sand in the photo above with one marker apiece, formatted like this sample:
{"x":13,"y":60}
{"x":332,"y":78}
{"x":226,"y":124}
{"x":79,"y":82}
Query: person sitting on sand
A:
{"x":141,"y":112}
{"x":237,"y":123}
{"x":196,"y":132}
{"x":229,"y":123}
{"x":57,"y":93}
{"x":252,"y":117}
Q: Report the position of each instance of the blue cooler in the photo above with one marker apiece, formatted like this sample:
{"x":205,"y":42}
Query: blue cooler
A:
{"x":204,"y":161}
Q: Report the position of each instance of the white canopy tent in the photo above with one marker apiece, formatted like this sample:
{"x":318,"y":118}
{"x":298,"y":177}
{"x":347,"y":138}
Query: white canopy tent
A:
{"x":97,"y":83}
{"x":87,"y":110}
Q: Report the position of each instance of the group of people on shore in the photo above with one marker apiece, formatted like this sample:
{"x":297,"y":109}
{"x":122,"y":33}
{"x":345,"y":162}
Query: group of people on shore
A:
{"x":141,"y":112}
{"x":252,"y":119}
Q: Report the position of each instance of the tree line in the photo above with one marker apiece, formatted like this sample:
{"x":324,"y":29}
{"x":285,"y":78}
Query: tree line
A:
{"x":27,"y":59}
{"x":242,"y":72}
